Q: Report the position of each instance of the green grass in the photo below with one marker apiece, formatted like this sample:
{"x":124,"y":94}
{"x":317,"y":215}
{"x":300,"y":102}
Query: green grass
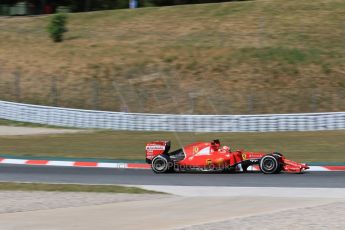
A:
{"x":328,"y":146}
{"x":288,"y":55}
{"x":4,"y":186}
{"x":283,"y":55}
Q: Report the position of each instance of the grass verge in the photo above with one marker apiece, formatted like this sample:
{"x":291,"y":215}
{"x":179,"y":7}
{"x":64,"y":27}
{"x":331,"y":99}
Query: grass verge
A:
{"x":6,"y":186}
{"x":272,"y":56}
{"x":327,"y":146}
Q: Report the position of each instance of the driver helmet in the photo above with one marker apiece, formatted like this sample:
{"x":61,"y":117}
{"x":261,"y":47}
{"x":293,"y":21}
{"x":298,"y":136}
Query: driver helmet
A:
{"x":225,"y":148}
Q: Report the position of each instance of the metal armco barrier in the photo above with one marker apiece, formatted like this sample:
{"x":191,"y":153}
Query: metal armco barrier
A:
{"x":171,"y":122}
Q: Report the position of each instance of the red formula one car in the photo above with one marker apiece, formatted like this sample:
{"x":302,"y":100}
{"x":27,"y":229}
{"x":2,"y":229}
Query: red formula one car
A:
{"x":211,"y":157}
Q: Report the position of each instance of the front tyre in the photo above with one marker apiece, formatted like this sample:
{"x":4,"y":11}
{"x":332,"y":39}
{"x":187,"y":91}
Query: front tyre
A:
{"x":269,"y":164}
{"x":161,"y":164}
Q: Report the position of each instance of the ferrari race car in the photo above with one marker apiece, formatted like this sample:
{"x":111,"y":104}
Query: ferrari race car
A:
{"x":211,"y":157}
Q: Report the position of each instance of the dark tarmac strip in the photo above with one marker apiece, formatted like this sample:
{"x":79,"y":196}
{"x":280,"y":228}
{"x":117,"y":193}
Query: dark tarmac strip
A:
{"x":52,"y":174}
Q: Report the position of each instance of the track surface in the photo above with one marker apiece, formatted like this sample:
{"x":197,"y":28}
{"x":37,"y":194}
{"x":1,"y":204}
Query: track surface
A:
{"x":22,"y":173}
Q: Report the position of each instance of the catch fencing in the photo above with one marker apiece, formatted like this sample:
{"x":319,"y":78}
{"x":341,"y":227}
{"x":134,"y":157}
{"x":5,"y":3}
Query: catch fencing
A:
{"x":170,"y":122}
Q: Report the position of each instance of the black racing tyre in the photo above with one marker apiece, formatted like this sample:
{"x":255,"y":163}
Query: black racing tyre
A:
{"x":161,"y":164}
{"x":277,"y":154}
{"x":270,"y":164}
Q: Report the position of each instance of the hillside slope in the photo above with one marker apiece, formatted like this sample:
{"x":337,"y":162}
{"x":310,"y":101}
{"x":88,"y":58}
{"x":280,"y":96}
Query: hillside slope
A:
{"x":264,"y":56}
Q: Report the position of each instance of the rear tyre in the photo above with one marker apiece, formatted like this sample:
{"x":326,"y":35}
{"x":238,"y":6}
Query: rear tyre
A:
{"x":162,"y":164}
{"x":270,"y":164}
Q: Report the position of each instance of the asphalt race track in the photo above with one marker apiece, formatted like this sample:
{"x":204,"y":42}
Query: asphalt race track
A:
{"x":23,"y":173}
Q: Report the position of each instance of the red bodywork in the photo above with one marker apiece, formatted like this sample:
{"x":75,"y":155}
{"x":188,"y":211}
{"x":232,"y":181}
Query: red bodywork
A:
{"x":205,"y":154}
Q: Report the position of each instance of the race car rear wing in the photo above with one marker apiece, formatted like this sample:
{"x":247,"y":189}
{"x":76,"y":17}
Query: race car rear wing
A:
{"x":156,"y":148}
